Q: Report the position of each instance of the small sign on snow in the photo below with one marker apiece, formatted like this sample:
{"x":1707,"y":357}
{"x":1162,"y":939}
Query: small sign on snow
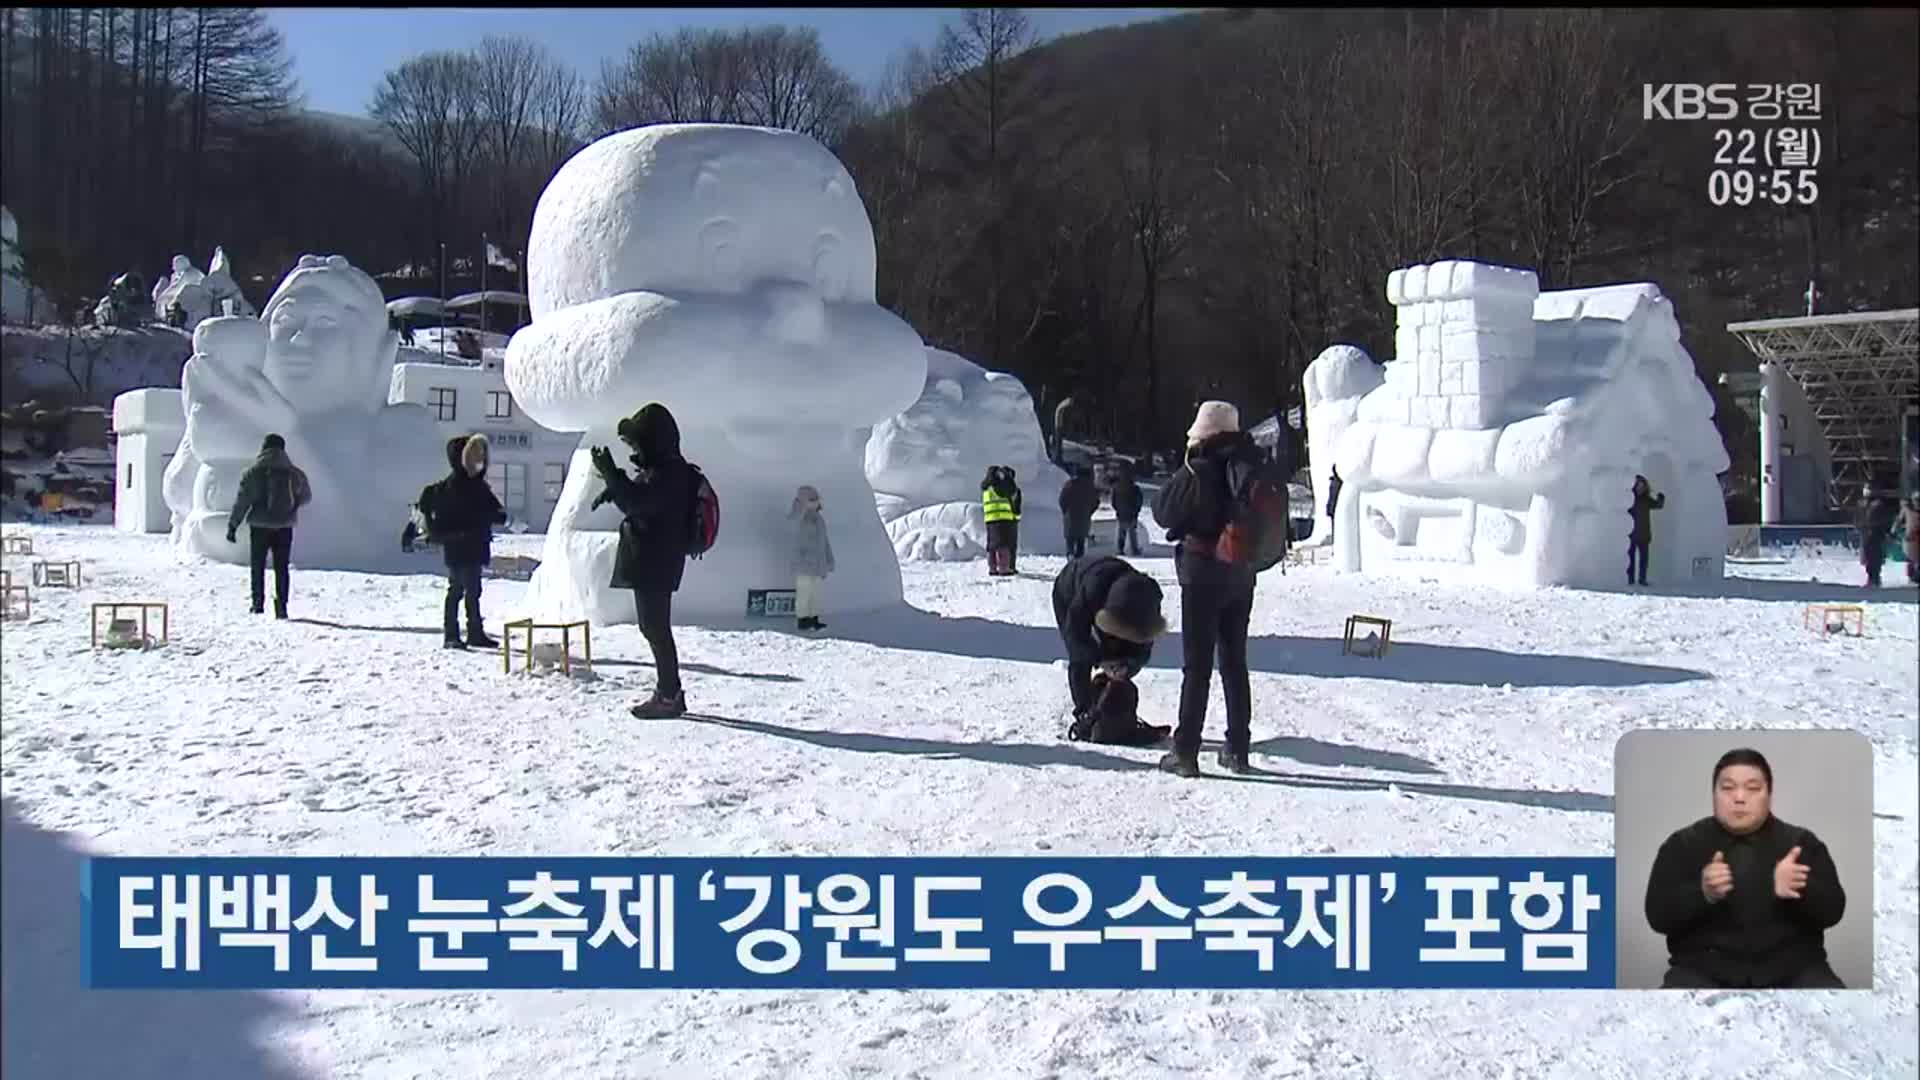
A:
{"x":769,"y":603}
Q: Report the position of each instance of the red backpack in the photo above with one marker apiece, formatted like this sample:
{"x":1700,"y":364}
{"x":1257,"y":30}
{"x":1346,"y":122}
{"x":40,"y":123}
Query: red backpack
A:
{"x":703,"y":526}
{"x":1256,"y":532}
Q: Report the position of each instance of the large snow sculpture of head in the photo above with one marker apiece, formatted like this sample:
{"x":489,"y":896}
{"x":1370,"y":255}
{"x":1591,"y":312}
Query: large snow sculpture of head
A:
{"x":726,"y":272}
{"x":926,"y":463}
{"x":1334,"y":383}
{"x":316,"y":369}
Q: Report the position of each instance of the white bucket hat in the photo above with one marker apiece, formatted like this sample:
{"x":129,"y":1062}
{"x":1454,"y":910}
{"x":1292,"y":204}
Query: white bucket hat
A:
{"x":1213,"y":418}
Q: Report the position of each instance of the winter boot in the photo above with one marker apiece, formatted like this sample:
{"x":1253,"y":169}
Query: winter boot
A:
{"x":1235,"y":762}
{"x":1179,"y":764}
{"x":280,"y":610}
{"x":478,"y":639}
{"x":453,"y":642}
{"x":661,"y":707}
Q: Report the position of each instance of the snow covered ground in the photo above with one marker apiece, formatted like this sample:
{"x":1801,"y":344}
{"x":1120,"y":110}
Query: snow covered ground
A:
{"x":932,"y":731}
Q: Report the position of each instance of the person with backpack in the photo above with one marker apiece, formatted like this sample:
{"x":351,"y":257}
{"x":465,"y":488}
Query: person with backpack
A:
{"x":1220,"y":510}
{"x":1127,"y":504}
{"x":1079,"y":498}
{"x":1108,"y":615}
{"x":272,"y":491}
{"x":1000,"y":506}
{"x":660,"y":506}
{"x":460,"y":511}
{"x":1640,"y":539}
{"x":812,"y":557}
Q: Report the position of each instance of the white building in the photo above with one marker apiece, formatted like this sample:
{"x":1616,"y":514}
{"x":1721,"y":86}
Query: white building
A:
{"x":147,"y":426}
{"x":529,"y":462}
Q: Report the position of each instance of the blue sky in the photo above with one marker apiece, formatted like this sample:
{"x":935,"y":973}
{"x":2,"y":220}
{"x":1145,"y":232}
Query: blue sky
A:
{"x":339,"y":54}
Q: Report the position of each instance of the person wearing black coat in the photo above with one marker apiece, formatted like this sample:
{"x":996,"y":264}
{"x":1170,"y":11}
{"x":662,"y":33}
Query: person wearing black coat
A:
{"x":460,"y":511}
{"x":1079,"y":498}
{"x":1640,"y":538}
{"x":1127,"y":504}
{"x":1108,"y":615}
{"x":1875,"y":521}
{"x":1743,"y":898}
{"x":657,"y":501}
{"x":1216,"y":598}
{"x":1333,"y":499}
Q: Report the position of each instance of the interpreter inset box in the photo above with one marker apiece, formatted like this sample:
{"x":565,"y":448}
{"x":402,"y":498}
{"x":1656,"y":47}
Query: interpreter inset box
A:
{"x":1744,"y":860}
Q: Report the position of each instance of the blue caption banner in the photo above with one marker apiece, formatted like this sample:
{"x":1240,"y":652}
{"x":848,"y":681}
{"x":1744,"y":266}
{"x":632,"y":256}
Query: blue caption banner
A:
{"x":838,"y":923}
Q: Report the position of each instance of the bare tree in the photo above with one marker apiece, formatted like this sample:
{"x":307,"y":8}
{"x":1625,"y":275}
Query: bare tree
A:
{"x":427,"y":103}
{"x":694,"y":76}
{"x":788,"y":82}
{"x":559,"y":115}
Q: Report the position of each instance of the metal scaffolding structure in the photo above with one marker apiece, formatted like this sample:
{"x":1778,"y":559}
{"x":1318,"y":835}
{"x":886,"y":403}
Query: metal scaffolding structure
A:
{"x":1859,"y":371}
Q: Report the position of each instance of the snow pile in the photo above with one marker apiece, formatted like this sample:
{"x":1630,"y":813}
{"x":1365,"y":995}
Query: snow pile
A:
{"x":1335,"y":384}
{"x":726,"y":272}
{"x":347,"y":731}
{"x":926,"y":464}
{"x":315,"y":369}
{"x":1503,"y":445}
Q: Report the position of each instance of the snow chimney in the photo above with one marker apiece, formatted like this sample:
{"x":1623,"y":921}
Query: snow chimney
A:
{"x":1466,"y":330}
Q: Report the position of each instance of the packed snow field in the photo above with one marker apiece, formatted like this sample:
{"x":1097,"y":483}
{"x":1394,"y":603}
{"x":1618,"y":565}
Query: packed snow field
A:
{"x":1489,"y":729}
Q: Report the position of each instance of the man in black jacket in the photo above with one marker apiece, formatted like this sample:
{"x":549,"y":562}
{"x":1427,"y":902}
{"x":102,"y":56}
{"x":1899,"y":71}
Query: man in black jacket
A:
{"x":272,"y":491}
{"x":1079,"y":499}
{"x":460,"y":511}
{"x":1744,"y":898}
{"x":1127,"y":503}
{"x":652,"y":558}
{"x":1216,"y":597}
{"x":1108,"y":614}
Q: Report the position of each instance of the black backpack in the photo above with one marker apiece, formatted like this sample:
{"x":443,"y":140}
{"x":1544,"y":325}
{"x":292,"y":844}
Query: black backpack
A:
{"x":1257,"y":523}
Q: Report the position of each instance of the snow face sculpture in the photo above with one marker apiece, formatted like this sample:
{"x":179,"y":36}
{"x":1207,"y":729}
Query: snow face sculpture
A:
{"x":316,"y":368}
{"x":1335,"y":383}
{"x":1503,"y":446}
{"x":926,"y":463}
{"x":726,"y":272}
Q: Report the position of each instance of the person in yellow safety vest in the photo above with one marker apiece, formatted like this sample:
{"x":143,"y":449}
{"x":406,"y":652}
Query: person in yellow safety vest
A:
{"x":1000,"y":506}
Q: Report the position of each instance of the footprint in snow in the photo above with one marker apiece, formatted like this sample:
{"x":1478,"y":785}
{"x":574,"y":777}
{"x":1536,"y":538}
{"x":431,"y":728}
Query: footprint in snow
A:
{"x":881,"y":1040}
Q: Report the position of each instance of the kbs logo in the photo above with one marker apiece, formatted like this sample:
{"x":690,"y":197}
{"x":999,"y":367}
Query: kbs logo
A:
{"x":1689,"y":101}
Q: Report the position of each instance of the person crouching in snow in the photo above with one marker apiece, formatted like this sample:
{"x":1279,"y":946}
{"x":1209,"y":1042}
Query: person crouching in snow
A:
{"x":1000,"y":506}
{"x":460,"y":512}
{"x":812,"y":557}
{"x":1108,"y":615}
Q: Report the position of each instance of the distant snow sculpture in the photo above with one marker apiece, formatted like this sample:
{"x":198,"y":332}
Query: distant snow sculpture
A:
{"x":1336,"y":382}
{"x":222,"y":291}
{"x":925,"y":464}
{"x":185,"y":286}
{"x":316,"y":368}
{"x":726,"y":272}
{"x":1503,"y":445}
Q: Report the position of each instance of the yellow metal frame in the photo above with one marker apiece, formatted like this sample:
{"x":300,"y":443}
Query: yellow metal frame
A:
{"x":1354,"y":622}
{"x":1826,"y":612}
{"x":48,"y":574}
{"x":566,"y":629}
{"x":144,"y":608}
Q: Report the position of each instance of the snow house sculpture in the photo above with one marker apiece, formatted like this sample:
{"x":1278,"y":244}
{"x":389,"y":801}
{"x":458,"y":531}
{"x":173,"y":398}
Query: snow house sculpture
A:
{"x":1502,"y":446}
{"x":728,"y":273}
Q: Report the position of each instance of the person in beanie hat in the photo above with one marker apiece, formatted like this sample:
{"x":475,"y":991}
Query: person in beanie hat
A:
{"x":460,"y":511}
{"x":812,"y":556}
{"x":1108,"y":615}
{"x":1000,"y":507}
{"x":272,"y":491}
{"x":1216,"y":597}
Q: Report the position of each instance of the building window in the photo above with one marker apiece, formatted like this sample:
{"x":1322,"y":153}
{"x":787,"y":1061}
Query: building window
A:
{"x":129,"y":476}
{"x":499,"y":405}
{"x":509,"y":483}
{"x":442,"y":400}
{"x":554,"y":478}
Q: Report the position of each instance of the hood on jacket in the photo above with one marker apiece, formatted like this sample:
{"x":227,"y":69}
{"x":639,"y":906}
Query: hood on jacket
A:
{"x":806,"y":498}
{"x":652,"y":433}
{"x":473,"y":455}
{"x":1132,"y":610}
{"x":274,"y":457}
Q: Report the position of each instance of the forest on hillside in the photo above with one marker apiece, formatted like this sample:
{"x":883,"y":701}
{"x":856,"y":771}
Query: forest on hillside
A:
{"x":1138,"y":217}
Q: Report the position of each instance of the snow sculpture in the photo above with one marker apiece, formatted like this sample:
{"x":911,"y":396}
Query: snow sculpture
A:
{"x":1336,"y":381}
{"x":20,"y":301}
{"x":726,"y":272}
{"x":316,"y":368}
{"x":1503,"y":445}
{"x":187,"y":287}
{"x":223,"y":293}
{"x":926,"y":463}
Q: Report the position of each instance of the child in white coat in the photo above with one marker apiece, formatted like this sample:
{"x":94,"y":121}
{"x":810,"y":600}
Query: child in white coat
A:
{"x":812,"y":557}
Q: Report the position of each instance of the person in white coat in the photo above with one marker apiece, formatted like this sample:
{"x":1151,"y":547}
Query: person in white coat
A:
{"x":812,"y":557}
